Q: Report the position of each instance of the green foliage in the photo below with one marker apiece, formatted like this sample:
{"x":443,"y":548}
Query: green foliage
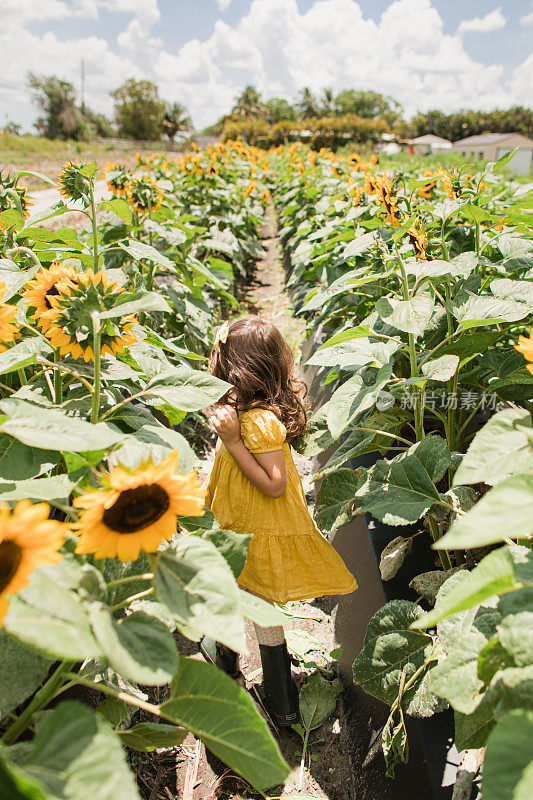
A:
{"x":139,"y":112}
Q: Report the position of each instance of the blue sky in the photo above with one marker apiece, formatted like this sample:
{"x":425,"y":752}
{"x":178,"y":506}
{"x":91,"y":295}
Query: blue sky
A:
{"x":426,"y":53}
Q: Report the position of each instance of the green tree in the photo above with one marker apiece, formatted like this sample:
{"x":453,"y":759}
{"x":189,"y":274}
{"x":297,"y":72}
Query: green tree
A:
{"x":249,"y":104}
{"x":176,"y":119}
{"x":139,"y":111}
{"x":307,"y":105}
{"x":369,"y":105}
{"x":278,"y":109}
{"x":56,"y":99}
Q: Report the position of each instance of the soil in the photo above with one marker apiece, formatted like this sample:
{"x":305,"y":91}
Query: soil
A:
{"x":190,"y":772}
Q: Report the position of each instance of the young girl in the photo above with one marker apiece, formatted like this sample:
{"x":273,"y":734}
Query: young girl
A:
{"x":255,"y":489}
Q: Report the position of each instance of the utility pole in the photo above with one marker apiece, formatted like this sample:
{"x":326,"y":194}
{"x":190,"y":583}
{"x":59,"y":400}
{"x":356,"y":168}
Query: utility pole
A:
{"x":82,"y":104}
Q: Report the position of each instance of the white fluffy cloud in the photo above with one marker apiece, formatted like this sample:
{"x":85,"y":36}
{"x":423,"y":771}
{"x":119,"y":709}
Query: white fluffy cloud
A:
{"x":527,"y":19}
{"x":280,"y":49}
{"x":223,"y":4}
{"x":492,"y":21}
{"x":274,"y":46}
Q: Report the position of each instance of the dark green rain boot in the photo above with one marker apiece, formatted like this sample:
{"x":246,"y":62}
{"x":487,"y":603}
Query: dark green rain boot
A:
{"x":279,"y":689}
{"x":220,"y":656}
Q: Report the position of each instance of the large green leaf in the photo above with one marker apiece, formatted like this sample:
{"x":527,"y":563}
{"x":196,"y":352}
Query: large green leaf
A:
{"x":137,"y":646}
{"x":355,"y":353}
{"x":516,"y":635}
{"x":156,"y":442}
{"x":56,"y":489}
{"x":476,"y":309}
{"x":52,"y":429}
{"x":455,"y":678}
{"x":356,"y":395}
{"x":318,"y":699}
{"x":24,"y":354}
{"x":50,"y":617}
{"x":335,"y":502}
{"x":363,"y":440}
{"x":498,"y":450}
{"x":75,"y":755}
{"x":21,"y":672}
{"x":147,"y":736}
{"x":495,"y":574}
{"x":440,"y":369}
{"x":223,"y":716}
{"x":19,"y":462}
{"x":390,"y":648}
{"x":139,"y":250}
{"x":410,"y":316}
{"x":233,"y":546}
{"x":508,"y":767}
{"x":402,"y":490}
{"x":186,"y":389}
{"x":505,"y":512}
{"x":196,"y":584}
{"x":471,"y":730}
{"x":140,"y":301}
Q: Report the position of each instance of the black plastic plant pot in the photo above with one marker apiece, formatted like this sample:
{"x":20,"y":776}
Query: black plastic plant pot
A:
{"x":435,"y":733}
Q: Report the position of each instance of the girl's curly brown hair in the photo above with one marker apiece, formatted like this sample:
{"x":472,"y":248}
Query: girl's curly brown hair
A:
{"x":258,"y":362}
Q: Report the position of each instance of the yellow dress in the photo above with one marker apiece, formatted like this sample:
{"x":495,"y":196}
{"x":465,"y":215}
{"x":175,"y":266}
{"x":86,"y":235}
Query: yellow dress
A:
{"x":288,"y":558}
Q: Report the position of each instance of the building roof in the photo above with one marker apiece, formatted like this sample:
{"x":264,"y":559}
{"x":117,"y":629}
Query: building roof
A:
{"x":429,"y":138}
{"x":491,"y":138}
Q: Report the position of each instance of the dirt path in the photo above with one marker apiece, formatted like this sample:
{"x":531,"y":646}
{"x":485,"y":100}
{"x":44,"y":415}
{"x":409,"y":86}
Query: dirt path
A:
{"x":191,"y":773}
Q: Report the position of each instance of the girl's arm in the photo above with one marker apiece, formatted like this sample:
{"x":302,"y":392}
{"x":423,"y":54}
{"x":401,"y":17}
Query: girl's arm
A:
{"x":267,"y":471}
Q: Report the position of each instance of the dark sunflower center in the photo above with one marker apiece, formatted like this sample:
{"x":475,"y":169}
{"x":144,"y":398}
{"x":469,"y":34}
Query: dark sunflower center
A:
{"x":52,"y":291}
{"x":136,"y":509}
{"x":10,"y":556}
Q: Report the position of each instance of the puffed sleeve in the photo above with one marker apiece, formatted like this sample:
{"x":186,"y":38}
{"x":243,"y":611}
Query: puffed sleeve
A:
{"x":262,"y":431}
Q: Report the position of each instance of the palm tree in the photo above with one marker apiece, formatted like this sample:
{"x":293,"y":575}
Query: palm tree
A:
{"x":249,"y":104}
{"x":328,"y":105}
{"x":176,"y":119}
{"x":307,"y":104}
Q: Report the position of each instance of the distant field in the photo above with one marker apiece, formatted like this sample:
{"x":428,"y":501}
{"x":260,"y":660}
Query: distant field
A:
{"x":47,"y":156}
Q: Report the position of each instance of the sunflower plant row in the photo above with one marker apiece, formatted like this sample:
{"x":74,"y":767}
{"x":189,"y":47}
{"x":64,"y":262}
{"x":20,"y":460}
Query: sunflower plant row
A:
{"x":103,"y":336}
{"x":418,"y":294}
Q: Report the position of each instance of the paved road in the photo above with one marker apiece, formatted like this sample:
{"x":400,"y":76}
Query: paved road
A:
{"x":44,"y":198}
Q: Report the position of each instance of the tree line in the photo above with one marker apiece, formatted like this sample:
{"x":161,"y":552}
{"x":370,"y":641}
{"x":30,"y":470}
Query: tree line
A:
{"x":140,"y":113}
{"x":327,"y":118}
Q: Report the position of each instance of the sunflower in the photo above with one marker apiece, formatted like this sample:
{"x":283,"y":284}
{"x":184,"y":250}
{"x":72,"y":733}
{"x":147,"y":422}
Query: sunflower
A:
{"x":116,"y":178}
{"x":426,"y":189}
{"x":13,"y":196}
{"x":143,"y":194}
{"x":27,"y":540}
{"x":265,"y":194}
{"x":417,"y":238}
{"x":68,"y":323}
{"x":8,"y":329}
{"x":138,"y":510}
{"x":386,"y":199}
{"x":525,"y":346}
{"x":38,"y":292}
{"x":73,"y":184}
{"x":447,"y":180}
{"x":249,"y":189}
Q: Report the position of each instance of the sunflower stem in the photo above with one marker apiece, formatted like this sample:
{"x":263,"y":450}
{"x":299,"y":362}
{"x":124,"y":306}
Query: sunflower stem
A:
{"x":94,"y":226}
{"x":58,"y":379}
{"x":436,"y":535}
{"x":147,"y":576}
{"x":131,"y":598}
{"x":40,"y":700}
{"x":97,"y":352}
{"x":124,"y":696}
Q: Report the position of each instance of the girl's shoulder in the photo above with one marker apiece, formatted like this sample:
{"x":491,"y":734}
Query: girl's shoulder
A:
{"x":262,"y":431}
